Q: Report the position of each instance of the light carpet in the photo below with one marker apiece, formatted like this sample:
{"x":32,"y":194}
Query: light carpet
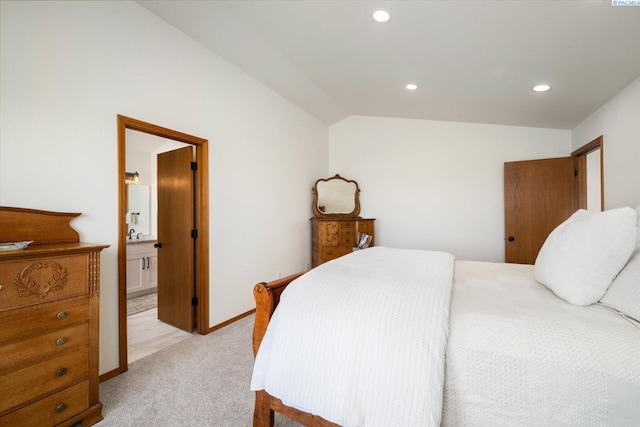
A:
{"x":201,"y":381}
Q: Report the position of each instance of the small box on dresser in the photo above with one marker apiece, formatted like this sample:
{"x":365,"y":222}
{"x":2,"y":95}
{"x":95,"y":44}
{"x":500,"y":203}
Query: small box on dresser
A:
{"x":49,"y":307}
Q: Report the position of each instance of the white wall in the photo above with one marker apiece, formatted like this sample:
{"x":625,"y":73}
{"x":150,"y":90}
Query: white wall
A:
{"x":436,"y":185}
{"x":68,"y":68}
{"x":618,"y":121}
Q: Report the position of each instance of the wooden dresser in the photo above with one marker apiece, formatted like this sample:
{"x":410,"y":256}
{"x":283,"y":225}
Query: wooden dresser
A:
{"x":332,"y":238}
{"x":49,"y":306}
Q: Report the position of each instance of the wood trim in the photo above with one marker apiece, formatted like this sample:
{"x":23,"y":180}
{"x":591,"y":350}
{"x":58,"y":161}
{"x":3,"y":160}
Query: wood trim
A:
{"x":110,"y":374}
{"x":320,"y":214}
{"x":262,"y":412}
{"x":589,"y":147}
{"x":122,"y":246}
{"x":202,"y":243}
{"x":42,"y":227}
{"x":230,"y":321}
{"x":580,"y":162}
{"x":304,"y":418}
{"x":202,"y":225}
{"x":160,"y":131}
{"x":580,"y":193}
{"x":267,"y":297}
{"x":266,"y":405}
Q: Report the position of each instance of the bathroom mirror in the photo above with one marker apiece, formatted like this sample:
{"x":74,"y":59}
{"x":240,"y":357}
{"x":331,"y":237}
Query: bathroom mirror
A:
{"x":336,"y":197}
{"x":138,"y":216}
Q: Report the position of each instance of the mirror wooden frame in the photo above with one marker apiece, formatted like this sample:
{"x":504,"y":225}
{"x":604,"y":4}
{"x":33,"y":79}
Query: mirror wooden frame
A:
{"x":320,"y":214}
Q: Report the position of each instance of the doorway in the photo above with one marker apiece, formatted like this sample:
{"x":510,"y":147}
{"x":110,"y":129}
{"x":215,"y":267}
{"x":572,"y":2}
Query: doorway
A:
{"x":589,"y":166}
{"x":199,"y":312}
{"x":541,"y":194}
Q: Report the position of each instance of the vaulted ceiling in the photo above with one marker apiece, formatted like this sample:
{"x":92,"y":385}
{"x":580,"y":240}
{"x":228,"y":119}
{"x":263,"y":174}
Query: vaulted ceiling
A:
{"x":473,"y":61}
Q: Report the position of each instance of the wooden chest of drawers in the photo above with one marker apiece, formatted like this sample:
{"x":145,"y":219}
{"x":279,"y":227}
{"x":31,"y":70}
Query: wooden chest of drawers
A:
{"x":332,"y":238}
{"x":49,"y":306}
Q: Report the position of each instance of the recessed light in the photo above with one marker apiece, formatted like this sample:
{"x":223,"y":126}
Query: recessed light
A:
{"x":541,"y":88}
{"x":381,"y":15}
{"x":411,"y":86}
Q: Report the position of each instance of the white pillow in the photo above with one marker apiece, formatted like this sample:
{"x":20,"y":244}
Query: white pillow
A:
{"x":624,"y":293}
{"x":583,"y":255}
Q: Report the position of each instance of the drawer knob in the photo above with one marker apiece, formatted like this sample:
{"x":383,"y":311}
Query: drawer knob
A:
{"x":0,"y":286}
{"x":61,"y":341}
{"x":61,"y":315}
{"x":61,"y":372}
{"x":61,"y":407}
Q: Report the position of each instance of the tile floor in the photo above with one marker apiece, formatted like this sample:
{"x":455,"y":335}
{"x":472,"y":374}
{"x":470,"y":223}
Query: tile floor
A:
{"x":146,"y":334}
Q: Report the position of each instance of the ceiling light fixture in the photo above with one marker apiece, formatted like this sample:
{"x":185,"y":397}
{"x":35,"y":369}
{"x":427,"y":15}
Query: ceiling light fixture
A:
{"x":411,"y":86}
{"x":541,"y":88}
{"x":381,"y":16}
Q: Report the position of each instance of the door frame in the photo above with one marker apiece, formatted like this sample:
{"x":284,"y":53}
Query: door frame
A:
{"x":202,"y":225}
{"x":580,"y":165}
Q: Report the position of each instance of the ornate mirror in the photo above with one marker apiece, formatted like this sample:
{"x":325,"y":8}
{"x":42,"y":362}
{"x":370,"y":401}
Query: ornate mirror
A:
{"x":336,"y":196}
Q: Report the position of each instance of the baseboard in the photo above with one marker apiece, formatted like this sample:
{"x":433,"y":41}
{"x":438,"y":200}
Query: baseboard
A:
{"x":108,"y":375}
{"x":230,"y":321}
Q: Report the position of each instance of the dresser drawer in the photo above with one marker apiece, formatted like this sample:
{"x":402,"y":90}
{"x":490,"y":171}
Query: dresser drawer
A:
{"x":348,"y":241}
{"x":327,"y":254}
{"x":51,"y":410}
{"x":30,"y":321}
{"x":51,"y":374}
{"x":329,"y":233}
{"x":32,"y":350}
{"x":38,"y":280}
{"x":345,"y":225}
{"x":365,"y":227}
{"x":347,"y":232}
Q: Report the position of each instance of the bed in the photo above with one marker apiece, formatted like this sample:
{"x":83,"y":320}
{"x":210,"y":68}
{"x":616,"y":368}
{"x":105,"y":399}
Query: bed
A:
{"x":501,"y":348}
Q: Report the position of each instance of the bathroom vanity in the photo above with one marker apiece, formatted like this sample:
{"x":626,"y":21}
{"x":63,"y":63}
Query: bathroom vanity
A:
{"x":142,"y":267}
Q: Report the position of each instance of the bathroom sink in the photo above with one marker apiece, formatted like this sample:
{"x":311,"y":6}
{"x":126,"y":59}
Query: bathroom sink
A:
{"x":145,"y":238}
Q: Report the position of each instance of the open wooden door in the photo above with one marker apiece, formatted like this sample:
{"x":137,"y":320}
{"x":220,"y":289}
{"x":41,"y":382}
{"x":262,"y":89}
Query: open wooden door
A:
{"x":176,"y":253}
{"x":538,"y":196}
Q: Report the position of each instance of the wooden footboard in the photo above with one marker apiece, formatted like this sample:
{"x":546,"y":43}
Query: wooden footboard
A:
{"x":267,"y":296}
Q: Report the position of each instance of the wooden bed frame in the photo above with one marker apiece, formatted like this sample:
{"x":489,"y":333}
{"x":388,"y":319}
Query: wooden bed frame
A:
{"x":267,"y":296}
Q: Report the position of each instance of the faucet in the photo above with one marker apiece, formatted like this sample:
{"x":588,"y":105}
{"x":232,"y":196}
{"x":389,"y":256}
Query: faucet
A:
{"x":138,"y":236}
{"x":130,"y":233}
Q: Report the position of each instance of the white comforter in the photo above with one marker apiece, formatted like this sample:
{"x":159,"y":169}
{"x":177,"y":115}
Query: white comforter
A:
{"x":520,"y":356}
{"x":360,"y":341}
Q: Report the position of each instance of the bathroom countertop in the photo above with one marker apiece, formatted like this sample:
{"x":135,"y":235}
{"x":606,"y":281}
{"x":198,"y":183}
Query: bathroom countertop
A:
{"x":141,"y":240}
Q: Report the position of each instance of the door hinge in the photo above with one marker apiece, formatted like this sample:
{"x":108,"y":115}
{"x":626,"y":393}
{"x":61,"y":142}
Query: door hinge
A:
{"x":194,"y":301}
{"x":194,"y":234}
{"x":575,"y":172}
{"x":194,"y":166}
